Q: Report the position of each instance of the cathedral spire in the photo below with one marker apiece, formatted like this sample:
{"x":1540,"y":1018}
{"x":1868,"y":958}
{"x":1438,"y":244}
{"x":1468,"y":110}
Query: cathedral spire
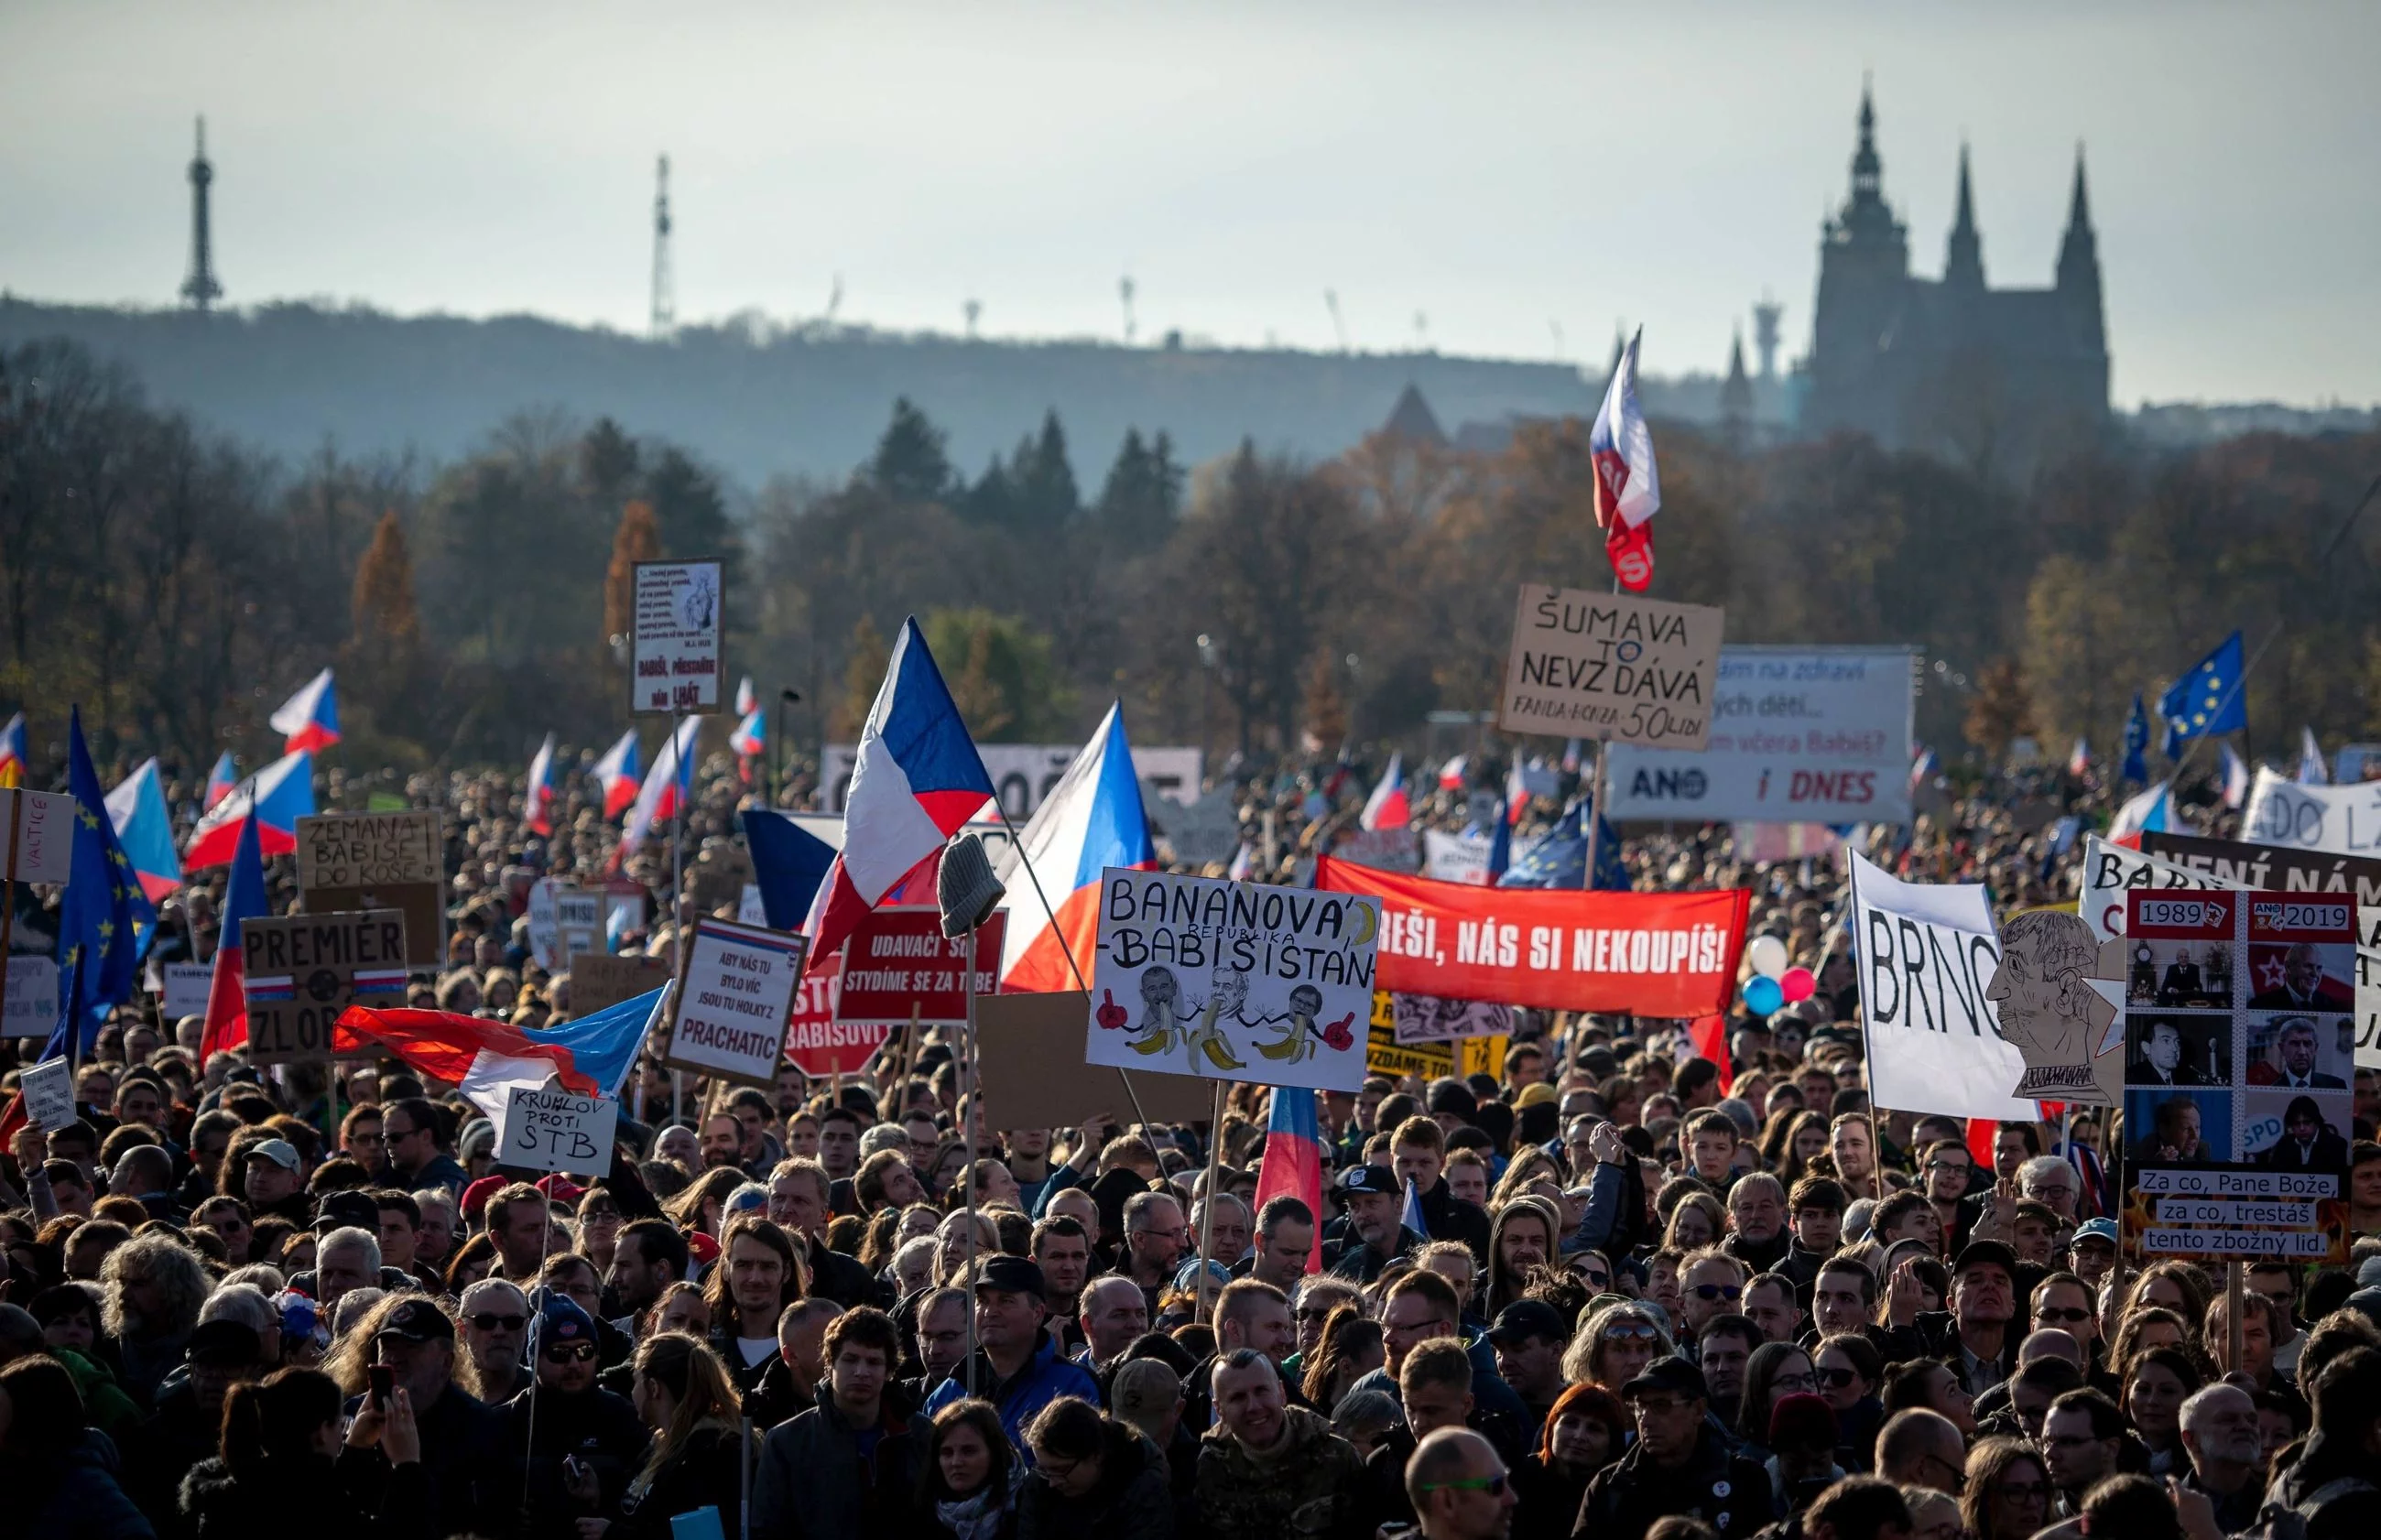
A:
{"x":1963,"y":266}
{"x":1868,"y":171}
{"x":2078,"y":265}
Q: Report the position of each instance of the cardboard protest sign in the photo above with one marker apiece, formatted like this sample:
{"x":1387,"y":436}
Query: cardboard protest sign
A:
{"x":600,"y":981}
{"x":2067,"y":1032}
{"x":729,"y":1020}
{"x":1651,"y":954}
{"x":1031,"y":1075}
{"x":1232,"y":981}
{"x":36,"y":836}
{"x":1927,"y":959}
{"x":1611,"y":666}
{"x":352,"y":863}
{"x":48,"y":1089}
{"x":817,"y":1044}
{"x":549,"y":1129}
{"x":1384,"y":1055}
{"x":182,"y":990}
{"x":750,"y":910}
{"x":32,"y":1008}
{"x":1383,"y":850}
{"x":1456,"y":858}
{"x":2239,"y":1059}
{"x":1814,"y":735}
{"x":303,"y":970}
{"x":1428,"y":1019}
{"x":677,"y":615}
{"x":898,"y":961}
{"x":2343,"y":820}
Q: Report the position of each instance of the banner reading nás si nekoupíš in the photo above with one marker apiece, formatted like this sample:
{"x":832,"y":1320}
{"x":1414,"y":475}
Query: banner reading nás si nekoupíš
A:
{"x":1649,"y":954}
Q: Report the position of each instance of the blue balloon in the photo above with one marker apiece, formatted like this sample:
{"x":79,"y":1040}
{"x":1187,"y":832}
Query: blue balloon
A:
{"x":1763,"y":995}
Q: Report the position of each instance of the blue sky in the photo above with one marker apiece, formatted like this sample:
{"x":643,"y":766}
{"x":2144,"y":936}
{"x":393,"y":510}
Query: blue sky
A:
{"x":1500,"y":169}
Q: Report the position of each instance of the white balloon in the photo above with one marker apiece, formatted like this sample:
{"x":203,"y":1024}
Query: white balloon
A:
{"x":1768,"y":955}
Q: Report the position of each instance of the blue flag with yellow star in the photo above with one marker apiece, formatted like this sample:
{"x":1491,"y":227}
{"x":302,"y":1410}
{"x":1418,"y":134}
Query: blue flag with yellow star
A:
{"x":104,"y":917}
{"x":2207,"y":701}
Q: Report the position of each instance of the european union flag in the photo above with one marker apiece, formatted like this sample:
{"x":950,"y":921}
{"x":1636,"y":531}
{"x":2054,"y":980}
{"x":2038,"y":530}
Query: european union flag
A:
{"x":103,"y":918}
{"x":1559,"y":859}
{"x":2207,"y":701}
{"x":2137,"y":743}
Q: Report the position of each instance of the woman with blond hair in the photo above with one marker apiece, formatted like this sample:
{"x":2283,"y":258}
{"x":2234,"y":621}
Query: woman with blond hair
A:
{"x":682,"y":1392}
{"x":1613,"y":1346}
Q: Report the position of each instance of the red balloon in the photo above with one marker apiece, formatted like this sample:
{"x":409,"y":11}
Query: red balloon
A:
{"x":1799,"y":984}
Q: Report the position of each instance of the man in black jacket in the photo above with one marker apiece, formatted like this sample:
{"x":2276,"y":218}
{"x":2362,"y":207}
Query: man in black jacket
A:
{"x":1375,"y":1234}
{"x":799,"y":1203}
{"x":848,"y":1466}
{"x":1978,"y":1337}
{"x":1419,"y":1152}
{"x":1678,"y":1464}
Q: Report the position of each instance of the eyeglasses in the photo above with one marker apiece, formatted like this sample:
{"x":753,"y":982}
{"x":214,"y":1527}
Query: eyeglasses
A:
{"x":2025,"y":1491}
{"x":1795,"y":1382}
{"x":1839,"y":1379}
{"x":1628,"y":1331}
{"x":1657,"y":1405}
{"x":487,"y":1320}
{"x":571,"y":1352}
{"x":1598,"y":1280}
{"x":2073,"y":1312}
{"x":1493,"y":1485}
{"x":1708,"y":1291}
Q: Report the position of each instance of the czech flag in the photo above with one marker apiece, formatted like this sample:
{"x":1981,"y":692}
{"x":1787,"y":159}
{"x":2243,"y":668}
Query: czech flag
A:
{"x":747,"y":700}
{"x":1451,"y":774}
{"x":487,"y":1058}
{"x":310,"y":719}
{"x":1091,"y":819}
{"x":1517,"y":792}
{"x":657,"y":801}
{"x":2152,"y":810}
{"x":278,"y":795}
{"x":916,"y":779}
{"x":12,"y":752}
{"x":220,"y":780}
{"x":146,"y":831}
{"x":789,"y":863}
{"x":227,"y":989}
{"x":616,"y":773}
{"x":540,"y":800}
{"x":750,"y":738}
{"x":1388,"y":808}
{"x":1627,"y":488}
{"x":1291,"y":1165}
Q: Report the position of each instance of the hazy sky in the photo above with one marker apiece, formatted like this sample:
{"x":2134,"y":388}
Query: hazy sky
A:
{"x":1502,"y":168}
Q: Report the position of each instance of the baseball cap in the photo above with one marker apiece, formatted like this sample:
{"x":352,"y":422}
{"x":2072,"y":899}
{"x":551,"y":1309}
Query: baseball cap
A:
{"x":1523,"y":1319}
{"x":1802,"y":1420}
{"x":419,"y":1321}
{"x":1012,"y":1275}
{"x":2095,"y":1229}
{"x":474,"y":1201}
{"x":1986,"y":1254}
{"x":222,"y":1343}
{"x":1371,"y":1179}
{"x":1673,"y":1373}
{"x":282,"y":1154}
{"x":1535,"y":1096}
{"x":1144,"y":1388}
{"x":347,"y":1207}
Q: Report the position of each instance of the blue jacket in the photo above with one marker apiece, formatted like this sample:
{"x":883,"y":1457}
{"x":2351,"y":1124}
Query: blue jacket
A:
{"x":1044,"y":1377}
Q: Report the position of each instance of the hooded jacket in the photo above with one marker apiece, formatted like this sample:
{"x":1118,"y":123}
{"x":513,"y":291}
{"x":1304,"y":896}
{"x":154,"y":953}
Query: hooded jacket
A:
{"x":1308,"y":1484}
{"x":1132,"y":1499}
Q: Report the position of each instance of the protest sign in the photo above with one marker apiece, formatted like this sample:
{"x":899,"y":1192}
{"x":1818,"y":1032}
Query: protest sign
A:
{"x":1382,"y":850}
{"x":1428,"y":1019}
{"x":1023,"y":774}
{"x":32,"y":1008}
{"x":549,"y":1129}
{"x":1384,"y":1055}
{"x":1928,"y":957}
{"x":1231,"y":980}
{"x":898,"y":963}
{"x":1611,"y":666}
{"x":678,"y":613}
{"x":2111,"y":871}
{"x":2343,"y":820}
{"x":600,"y":981}
{"x":2065,"y":1030}
{"x":1031,"y":1071}
{"x":182,"y":990}
{"x":1651,"y":953}
{"x":750,"y":910}
{"x":2237,"y":1063}
{"x":1456,"y":858}
{"x":39,"y":843}
{"x":2368,"y":986}
{"x":817,"y":1044}
{"x":1814,"y":735}
{"x":48,"y":1089}
{"x":302,"y":970}
{"x":350,"y":862}
{"x":728,"y":1019}
{"x":2269,"y":867}
{"x":1199,"y":833}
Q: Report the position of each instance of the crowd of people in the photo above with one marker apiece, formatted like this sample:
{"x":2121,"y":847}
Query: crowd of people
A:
{"x":1648,"y":1294}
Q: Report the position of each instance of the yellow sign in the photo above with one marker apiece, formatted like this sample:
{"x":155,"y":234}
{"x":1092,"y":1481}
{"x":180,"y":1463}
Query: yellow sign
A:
{"x":1384,"y":1055}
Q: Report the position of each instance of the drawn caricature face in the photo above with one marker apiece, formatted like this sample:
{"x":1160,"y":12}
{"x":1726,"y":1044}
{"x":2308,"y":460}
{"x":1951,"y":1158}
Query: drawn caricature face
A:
{"x":2049,"y":1011}
{"x":1305,"y":1002}
{"x":1159,"y":992}
{"x":1231,"y":990}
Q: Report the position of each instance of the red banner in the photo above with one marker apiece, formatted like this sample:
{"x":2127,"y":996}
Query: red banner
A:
{"x":817,"y":1044}
{"x":898,"y":961}
{"x":1649,"y":954}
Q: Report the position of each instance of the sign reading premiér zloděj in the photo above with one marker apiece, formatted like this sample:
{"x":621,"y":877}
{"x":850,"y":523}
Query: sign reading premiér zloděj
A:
{"x":729,"y":1016}
{"x":1611,"y":666}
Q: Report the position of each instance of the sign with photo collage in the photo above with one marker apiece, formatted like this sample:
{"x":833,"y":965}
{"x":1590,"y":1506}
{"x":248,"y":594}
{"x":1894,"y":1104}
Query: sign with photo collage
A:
{"x":2240,"y":1053}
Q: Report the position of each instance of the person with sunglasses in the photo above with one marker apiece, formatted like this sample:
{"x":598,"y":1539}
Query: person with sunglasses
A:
{"x":1681,"y":1464}
{"x":1711,"y":1283}
{"x":1460,"y":1488}
{"x":574,"y":1444}
{"x":494,"y":1318}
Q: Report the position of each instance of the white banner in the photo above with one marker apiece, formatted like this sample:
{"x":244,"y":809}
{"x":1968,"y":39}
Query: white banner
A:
{"x":181,"y":988}
{"x":32,"y":1008}
{"x":1022,"y":773}
{"x":1383,"y":850}
{"x":1817,"y":735}
{"x":1457,"y":856}
{"x":2368,"y":988}
{"x":549,"y":1129}
{"x":2337,"y":820}
{"x":1927,"y":954}
{"x":2111,"y":871}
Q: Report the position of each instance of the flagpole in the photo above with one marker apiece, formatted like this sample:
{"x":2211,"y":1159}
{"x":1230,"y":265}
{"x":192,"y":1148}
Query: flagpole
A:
{"x":681,"y":793}
{"x":9,"y":905}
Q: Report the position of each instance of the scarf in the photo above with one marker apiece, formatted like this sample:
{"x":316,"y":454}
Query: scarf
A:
{"x":979,"y":1517}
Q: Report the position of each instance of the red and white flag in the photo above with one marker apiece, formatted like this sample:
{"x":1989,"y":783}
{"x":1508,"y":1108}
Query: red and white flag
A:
{"x":1627,"y":488}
